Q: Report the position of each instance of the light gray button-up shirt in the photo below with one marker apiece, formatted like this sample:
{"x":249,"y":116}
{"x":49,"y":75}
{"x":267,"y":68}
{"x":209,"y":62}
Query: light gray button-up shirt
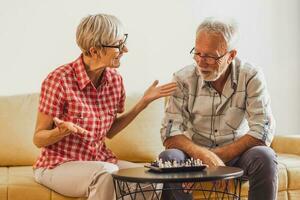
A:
{"x":198,"y":111}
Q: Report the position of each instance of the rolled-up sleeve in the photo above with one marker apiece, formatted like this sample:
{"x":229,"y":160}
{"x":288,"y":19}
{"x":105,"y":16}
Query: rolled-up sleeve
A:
{"x":258,"y":109}
{"x":176,"y":112}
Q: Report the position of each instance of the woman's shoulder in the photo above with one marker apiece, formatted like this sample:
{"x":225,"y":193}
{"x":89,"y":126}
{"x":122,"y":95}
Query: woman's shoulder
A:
{"x":60,"y":72}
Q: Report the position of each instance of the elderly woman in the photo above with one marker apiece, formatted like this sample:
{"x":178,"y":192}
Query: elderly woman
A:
{"x":78,"y":108}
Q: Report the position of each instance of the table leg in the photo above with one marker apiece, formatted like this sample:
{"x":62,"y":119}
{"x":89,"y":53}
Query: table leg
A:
{"x":145,"y":191}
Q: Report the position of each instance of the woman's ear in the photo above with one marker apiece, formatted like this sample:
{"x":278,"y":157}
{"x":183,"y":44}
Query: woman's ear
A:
{"x":95,"y":53}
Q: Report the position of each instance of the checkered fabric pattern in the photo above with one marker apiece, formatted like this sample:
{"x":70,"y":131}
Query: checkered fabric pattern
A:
{"x":68,"y":93}
{"x":211,"y":119}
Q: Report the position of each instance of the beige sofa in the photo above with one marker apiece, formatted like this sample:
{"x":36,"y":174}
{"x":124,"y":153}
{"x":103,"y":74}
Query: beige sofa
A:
{"x":139,"y":142}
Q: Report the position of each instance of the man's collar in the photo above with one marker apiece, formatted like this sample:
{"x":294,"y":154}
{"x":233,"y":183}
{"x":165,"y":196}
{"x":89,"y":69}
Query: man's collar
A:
{"x":234,"y":73}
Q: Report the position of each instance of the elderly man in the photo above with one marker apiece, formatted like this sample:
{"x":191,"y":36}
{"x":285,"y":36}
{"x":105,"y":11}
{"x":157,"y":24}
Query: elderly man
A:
{"x":221,"y":112}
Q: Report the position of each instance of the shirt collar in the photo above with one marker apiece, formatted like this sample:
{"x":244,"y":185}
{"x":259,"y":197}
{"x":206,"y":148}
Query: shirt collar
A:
{"x":234,"y":72}
{"x":83,"y":79}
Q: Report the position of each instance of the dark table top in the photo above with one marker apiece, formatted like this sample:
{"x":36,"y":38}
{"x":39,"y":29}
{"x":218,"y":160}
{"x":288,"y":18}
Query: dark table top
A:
{"x":143,"y":175}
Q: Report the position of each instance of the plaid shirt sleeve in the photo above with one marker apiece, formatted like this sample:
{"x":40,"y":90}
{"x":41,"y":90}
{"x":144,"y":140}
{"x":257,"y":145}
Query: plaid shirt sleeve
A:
{"x":121,"y":104}
{"x":51,"y":97}
{"x":176,"y":112}
{"x":259,"y":115}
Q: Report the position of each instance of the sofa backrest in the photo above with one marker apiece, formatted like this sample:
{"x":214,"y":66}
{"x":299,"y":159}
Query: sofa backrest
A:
{"x":17,"y":122}
{"x":139,"y":142}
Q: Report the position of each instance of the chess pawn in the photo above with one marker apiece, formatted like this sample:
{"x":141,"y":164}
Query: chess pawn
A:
{"x":160,"y":163}
{"x":175,"y":163}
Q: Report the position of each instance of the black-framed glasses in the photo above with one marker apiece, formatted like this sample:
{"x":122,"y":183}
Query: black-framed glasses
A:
{"x":119,"y":46}
{"x":208,"y":59}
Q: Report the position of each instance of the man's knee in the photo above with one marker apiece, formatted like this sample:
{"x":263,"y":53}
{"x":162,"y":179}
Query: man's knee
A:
{"x":264,"y":159}
{"x":172,"y":154}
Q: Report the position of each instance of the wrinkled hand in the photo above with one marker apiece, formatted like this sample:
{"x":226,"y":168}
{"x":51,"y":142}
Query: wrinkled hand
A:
{"x":222,"y":153}
{"x":66,"y":128}
{"x":208,"y":157}
{"x":213,"y":161}
{"x":154,"y":92}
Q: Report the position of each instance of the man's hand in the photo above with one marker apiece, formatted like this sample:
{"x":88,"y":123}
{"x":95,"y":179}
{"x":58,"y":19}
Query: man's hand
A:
{"x":66,"y":128}
{"x":154,"y":92}
{"x":238,"y":147}
{"x":212,"y":160}
{"x":195,"y":151}
{"x":221,"y":153}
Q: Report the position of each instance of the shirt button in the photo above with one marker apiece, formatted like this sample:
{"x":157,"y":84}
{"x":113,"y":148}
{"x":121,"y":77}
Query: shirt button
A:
{"x":217,"y":145}
{"x":216,"y":130}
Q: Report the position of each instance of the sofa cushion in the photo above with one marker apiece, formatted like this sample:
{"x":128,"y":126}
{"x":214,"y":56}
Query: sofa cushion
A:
{"x":3,"y":182}
{"x":17,"y":121}
{"x":293,"y":195}
{"x":140,"y":141}
{"x":21,"y":185}
{"x":292,"y":164}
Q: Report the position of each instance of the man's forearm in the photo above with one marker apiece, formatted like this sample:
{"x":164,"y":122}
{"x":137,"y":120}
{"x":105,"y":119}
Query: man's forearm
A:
{"x":231,"y":151}
{"x":184,"y":144}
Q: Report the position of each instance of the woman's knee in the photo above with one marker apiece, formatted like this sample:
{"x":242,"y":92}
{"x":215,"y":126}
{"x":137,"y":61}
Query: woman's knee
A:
{"x":173,"y":154}
{"x":110,"y":167}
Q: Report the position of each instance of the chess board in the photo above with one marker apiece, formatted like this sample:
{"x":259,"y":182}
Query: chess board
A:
{"x":173,"y":166}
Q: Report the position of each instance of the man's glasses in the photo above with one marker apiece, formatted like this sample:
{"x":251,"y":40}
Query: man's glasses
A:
{"x":119,"y":46}
{"x":208,"y":59}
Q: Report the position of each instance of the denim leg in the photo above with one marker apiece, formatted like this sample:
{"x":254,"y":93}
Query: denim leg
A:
{"x":178,"y":155}
{"x":260,"y":168}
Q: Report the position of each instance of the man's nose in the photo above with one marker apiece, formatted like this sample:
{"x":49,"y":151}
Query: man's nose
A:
{"x":202,"y":62}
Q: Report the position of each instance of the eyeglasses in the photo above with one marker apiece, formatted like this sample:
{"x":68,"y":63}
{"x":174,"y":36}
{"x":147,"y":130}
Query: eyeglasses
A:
{"x":208,"y":59}
{"x":120,"y":46}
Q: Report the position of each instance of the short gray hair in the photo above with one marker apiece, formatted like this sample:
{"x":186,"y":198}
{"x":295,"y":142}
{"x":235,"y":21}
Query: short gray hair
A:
{"x":227,"y":28}
{"x":97,"y":30}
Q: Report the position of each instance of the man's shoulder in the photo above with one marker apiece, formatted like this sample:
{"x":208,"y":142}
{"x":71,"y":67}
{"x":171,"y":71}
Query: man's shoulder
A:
{"x":186,"y":72}
{"x":246,"y":68}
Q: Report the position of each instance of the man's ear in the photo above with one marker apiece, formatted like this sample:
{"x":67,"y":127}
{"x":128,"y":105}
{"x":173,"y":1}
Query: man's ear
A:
{"x":232,"y":55}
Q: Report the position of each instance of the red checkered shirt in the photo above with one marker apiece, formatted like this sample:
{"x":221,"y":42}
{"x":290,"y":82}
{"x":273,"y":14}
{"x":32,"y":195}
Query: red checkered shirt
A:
{"x":68,"y":93}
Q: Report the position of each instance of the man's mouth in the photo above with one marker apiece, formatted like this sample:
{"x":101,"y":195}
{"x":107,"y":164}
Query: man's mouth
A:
{"x":205,"y":71}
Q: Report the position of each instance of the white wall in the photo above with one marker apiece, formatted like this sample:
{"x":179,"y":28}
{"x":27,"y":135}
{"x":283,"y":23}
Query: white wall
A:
{"x":37,"y":36}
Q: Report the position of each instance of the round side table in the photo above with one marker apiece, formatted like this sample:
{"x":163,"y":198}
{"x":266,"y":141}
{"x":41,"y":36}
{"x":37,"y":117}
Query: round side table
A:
{"x":129,"y":182}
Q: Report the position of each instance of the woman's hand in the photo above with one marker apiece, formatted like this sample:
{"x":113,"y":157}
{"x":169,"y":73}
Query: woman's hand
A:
{"x":154,"y":92}
{"x":66,"y":128}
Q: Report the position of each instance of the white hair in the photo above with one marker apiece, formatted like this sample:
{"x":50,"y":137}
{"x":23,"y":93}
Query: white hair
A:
{"x":227,"y":28}
{"x":97,"y":30}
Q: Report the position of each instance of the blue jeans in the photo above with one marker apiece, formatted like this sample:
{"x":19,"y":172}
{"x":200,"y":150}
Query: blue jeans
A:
{"x":260,"y":168}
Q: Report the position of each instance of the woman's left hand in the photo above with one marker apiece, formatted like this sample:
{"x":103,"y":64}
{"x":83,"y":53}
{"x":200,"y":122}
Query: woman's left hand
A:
{"x":154,"y":92}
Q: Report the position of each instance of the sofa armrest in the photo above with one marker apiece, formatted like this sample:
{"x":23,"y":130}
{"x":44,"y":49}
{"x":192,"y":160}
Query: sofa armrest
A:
{"x":289,"y":144}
